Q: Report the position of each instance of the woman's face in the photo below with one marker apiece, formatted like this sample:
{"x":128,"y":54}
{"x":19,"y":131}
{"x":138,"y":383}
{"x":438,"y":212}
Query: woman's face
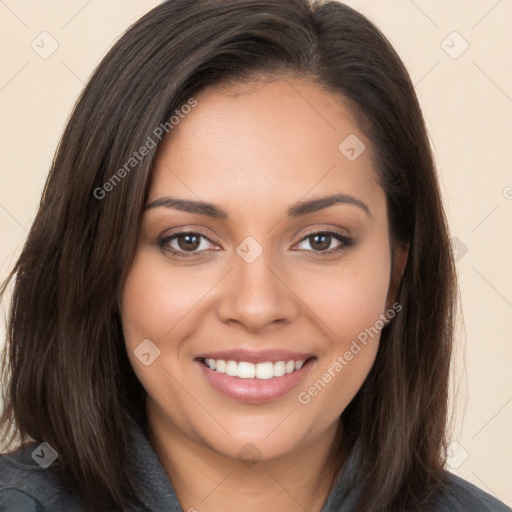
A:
{"x":255,"y":285}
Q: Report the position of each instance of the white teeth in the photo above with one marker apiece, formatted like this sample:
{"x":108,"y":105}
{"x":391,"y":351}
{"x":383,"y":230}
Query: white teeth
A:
{"x":246,"y":370}
{"x":264,"y":370}
{"x":232,"y":369}
{"x":279,"y":368}
{"x":221,"y":365}
{"x":290,"y":366}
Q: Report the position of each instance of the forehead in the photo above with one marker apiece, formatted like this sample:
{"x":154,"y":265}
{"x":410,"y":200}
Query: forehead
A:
{"x":264,"y":143}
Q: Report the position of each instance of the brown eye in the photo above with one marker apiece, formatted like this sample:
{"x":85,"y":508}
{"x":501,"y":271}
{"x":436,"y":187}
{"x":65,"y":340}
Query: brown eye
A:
{"x":321,"y":242}
{"x":188,"y":242}
{"x":185,"y":243}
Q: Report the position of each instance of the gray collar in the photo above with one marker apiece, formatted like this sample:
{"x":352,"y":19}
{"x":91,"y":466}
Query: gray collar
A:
{"x":157,"y":491}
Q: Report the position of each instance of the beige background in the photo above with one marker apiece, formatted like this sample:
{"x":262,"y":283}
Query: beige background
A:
{"x":467,"y":103}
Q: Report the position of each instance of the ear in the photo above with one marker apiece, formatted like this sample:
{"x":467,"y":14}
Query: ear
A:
{"x":399,"y":259}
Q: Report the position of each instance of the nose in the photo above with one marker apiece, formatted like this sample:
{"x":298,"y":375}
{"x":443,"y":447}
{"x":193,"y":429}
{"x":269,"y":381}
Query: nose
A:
{"x":258,"y":295}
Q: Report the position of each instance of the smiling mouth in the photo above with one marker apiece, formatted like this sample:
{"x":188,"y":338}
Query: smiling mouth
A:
{"x":261,"y":371}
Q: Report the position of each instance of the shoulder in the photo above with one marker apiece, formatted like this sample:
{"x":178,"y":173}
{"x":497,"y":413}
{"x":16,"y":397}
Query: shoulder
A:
{"x":458,"y":495}
{"x":25,"y":486}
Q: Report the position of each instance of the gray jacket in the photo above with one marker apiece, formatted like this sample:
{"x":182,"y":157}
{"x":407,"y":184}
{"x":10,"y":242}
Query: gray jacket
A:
{"x":26,"y":487}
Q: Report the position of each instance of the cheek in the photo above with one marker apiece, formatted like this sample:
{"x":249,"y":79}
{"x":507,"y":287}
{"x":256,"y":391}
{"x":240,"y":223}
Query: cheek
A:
{"x":350,"y":302}
{"x":151,"y":308}
{"x":349,"y":297}
{"x":155,"y":300}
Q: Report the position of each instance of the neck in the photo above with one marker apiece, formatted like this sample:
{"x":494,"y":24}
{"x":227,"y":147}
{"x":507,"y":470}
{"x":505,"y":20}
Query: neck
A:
{"x":207,"y":481}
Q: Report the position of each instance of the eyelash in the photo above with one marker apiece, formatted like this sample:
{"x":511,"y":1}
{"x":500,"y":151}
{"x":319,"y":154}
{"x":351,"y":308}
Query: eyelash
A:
{"x":346,"y":242}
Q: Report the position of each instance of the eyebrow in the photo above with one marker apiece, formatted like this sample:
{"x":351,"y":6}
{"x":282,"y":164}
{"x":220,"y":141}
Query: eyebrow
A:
{"x":296,"y":210}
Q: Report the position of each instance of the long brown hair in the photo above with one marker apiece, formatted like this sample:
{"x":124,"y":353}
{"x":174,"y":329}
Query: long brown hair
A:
{"x":67,"y":378}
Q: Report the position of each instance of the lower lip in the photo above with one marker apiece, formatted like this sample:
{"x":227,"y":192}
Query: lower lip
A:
{"x":255,"y":391}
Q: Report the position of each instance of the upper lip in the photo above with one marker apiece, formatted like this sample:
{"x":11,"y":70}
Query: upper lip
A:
{"x":256,"y":356}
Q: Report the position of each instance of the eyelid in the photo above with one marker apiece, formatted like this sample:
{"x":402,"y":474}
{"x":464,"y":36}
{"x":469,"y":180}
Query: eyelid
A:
{"x":162,"y":241}
{"x":345,"y":240}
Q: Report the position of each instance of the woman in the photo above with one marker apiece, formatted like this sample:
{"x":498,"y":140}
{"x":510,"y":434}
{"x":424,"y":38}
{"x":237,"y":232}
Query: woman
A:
{"x":182,"y":337}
